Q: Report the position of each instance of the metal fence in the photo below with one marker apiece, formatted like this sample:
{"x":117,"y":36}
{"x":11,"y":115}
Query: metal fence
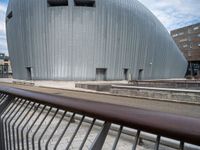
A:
{"x":31,"y":120}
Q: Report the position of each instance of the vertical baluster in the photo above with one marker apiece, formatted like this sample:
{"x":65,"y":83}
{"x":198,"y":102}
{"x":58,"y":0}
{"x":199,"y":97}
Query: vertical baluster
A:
{"x":49,"y":123}
{"x":56,"y":127}
{"x":75,"y":132}
{"x":6,"y":127}
{"x":17,"y":125}
{"x":22,"y":130}
{"x":33,"y":137}
{"x":181,"y":145}
{"x":8,"y":102}
{"x":137,"y":136}
{"x":100,"y":139}
{"x":62,"y":134}
{"x":87,"y":134}
{"x":157,"y":143}
{"x":117,"y":138}
{"x":27,"y":134}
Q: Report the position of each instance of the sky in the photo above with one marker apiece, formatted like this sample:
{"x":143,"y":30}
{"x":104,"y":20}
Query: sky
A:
{"x":173,"y":14}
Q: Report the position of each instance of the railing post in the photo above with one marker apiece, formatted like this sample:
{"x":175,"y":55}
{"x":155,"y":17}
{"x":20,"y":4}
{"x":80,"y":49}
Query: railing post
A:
{"x":100,"y":139}
{"x":137,"y":138}
{"x":157,"y":142}
{"x":3,"y":107}
{"x":117,"y":138}
{"x":181,"y":145}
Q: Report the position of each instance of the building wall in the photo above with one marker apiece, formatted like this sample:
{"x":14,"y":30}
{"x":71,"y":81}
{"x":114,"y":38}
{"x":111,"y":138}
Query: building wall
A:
{"x":5,"y":66}
{"x":188,"y":40}
{"x":70,"y":42}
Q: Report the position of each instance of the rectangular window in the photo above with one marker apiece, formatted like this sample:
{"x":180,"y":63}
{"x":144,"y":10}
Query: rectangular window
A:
{"x":140,"y":74}
{"x":183,"y":40}
{"x":175,"y":35}
{"x":191,"y":45}
{"x":126,"y":74}
{"x":184,"y":46}
{"x":29,"y":73}
{"x":182,"y":33}
{"x":189,"y":31}
{"x":10,"y":15}
{"x":189,"y":53}
{"x":195,"y":28}
{"x":53,"y":3}
{"x":86,"y":3}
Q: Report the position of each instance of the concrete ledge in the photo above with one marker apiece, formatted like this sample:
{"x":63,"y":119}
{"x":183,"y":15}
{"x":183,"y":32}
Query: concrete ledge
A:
{"x":22,"y":82}
{"x":179,"y":84}
{"x":159,"y":93}
{"x":96,"y":87}
{"x":156,"y":89}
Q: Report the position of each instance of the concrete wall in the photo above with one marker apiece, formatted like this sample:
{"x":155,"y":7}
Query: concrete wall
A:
{"x":179,"y":95}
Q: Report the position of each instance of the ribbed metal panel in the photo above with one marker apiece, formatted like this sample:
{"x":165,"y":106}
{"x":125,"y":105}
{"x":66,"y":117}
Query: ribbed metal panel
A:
{"x":70,"y":42}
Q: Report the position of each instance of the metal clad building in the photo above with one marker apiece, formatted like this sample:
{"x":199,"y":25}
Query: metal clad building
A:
{"x":89,"y":40}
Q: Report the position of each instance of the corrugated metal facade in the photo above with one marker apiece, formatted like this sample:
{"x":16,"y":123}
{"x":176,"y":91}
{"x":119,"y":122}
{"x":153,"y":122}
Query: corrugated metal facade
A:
{"x":70,"y":42}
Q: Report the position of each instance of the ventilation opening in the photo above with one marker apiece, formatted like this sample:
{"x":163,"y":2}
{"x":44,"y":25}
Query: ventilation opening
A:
{"x":101,"y":74}
{"x":86,"y":3}
{"x":140,"y":74}
{"x":10,"y":15}
{"x":125,"y":74}
{"x":57,"y":3}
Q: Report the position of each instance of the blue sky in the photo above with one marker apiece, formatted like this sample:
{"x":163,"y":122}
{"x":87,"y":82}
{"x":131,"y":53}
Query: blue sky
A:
{"x":172,"y":13}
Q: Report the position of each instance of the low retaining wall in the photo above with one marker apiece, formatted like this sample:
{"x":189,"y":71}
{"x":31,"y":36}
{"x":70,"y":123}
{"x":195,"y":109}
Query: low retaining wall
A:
{"x":179,"y":84}
{"x":158,"y":93}
{"x":96,"y":87}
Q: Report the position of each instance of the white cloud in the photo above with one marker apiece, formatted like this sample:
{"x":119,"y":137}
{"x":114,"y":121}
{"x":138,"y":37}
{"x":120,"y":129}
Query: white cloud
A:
{"x":174,"y":13}
{"x":2,"y":17}
{"x":3,"y":43}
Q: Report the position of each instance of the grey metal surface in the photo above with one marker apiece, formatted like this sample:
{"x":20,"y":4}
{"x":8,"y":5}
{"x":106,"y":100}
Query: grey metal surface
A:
{"x":70,"y":42}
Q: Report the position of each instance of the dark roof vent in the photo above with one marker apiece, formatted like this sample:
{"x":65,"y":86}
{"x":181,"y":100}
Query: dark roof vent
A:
{"x":58,"y":2}
{"x":87,"y":3}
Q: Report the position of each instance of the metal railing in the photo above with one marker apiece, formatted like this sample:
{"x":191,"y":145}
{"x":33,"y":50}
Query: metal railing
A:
{"x":31,"y":120}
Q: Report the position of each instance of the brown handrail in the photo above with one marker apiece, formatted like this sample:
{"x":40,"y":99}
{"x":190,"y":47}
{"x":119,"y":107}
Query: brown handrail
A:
{"x":176,"y":127}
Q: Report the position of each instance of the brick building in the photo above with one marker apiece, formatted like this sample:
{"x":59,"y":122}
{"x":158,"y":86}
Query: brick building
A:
{"x":5,"y":66}
{"x":188,"y":40}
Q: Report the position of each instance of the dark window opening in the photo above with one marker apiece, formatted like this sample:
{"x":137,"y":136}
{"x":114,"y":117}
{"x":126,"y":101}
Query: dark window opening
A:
{"x":10,"y":15}
{"x":29,"y":73}
{"x":125,"y":74}
{"x":5,"y":69}
{"x":140,"y":74}
{"x":101,"y":74}
{"x":57,"y":3}
{"x":87,"y":3}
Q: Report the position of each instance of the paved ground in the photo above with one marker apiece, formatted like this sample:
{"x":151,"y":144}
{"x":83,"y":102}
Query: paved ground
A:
{"x":180,"y":108}
{"x":185,"y":109}
{"x":58,"y":84}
